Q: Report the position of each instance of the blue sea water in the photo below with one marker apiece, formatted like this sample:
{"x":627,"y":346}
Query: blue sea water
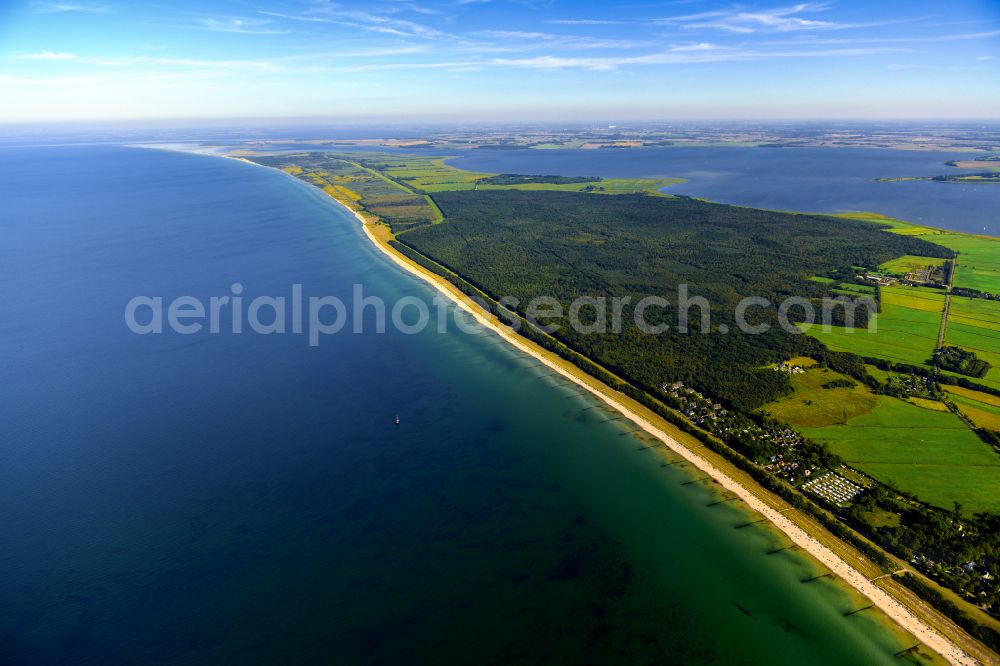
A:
{"x":247,"y":498}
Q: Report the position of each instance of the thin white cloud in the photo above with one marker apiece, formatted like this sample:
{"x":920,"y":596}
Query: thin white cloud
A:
{"x":700,"y":16}
{"x":417,"y":9}
{"x":157,"y":66}
{"x":65,"y":7}
{"x":263,"y":65}
{"x":585,"y":22}
{"x":536,"y":39}
{"x":457,"y":66}
{"x":960,"y":37}
{"x":986,"y":58}
{"x":47,"y":55}
{"x":56,"y":81}
{"x":703,"y":46}
{"x":362,"y":20}
{"x":239,"y":25}
{"x":741,"y":21}
{"x":297,"y":17}
{"x":680,"y":56}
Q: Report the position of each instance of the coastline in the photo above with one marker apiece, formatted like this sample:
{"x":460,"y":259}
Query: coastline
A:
{"x":899,"y":613}
{"x":895,"y":610}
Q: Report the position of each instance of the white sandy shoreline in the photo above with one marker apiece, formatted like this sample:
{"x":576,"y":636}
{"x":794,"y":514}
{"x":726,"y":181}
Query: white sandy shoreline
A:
{"x":887,"y":604}
{"x":892,"y":608}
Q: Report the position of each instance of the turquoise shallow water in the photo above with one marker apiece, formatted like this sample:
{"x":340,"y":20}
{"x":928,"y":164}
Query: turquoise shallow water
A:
{"x":219,"y":498}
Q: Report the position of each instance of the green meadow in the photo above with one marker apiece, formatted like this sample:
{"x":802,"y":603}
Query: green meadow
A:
{"x":974,"y":324}
{"x":603,"y":186}
{"x":434,"y":174}
{"x":426,"y":173}
{"x":844,"y":288}
{"x":927,"y":452}
{"x":905,"y":331}
{"x":892,"y":224}
{"x":909,"y":263}
{"x":812,"y":405}
{"x":983,"y":409}
{"x":852,"y":288}
{"x":908,"y":327}
{"x":978,"y":265}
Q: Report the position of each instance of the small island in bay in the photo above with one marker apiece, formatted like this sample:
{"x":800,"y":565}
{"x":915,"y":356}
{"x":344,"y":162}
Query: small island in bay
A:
{"x":990,"y":174}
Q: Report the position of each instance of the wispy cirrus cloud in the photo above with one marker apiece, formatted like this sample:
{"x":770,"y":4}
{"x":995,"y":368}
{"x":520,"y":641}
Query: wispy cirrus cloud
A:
{"x":957,"y":37}
{"x":47,"y":55}
{"x":235,"y":24}
{"x":297,"y":63}
{"x":464,"y":66}
{"x":539,"y":39}
{"x":66,"y":7}
{"x":741,"y":20}
{"x":379,"y":23}
{"x":679,"y":55}
{"x":52,"y":81}
{"x":781,"y":19}
{"x":586,"y":22}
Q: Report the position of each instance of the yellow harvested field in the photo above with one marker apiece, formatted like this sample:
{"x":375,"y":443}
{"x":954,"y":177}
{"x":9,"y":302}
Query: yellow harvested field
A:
{"x":934,"y":405}
{"x":980,"y":417}
{"x":978,"y":396}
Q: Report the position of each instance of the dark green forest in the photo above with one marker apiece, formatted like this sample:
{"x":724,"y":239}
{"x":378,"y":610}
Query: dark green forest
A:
{"x":960,"y":360}
{"x":527,"y":244}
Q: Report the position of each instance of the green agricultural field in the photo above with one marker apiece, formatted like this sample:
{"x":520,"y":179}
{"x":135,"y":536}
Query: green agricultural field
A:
{"x":905,"y":331}
{"x":892,"y":224}
{"x":976,"y":311}
{"x":978,"y":260}
{"x":914,"y":298}
{"x":929,"y":453}
{"x":424,"y":173}
{"x":811,"y":405}
{"x":973,"y":395}
{"x":974,"y":324}
{"x":910,"y":263}
{"x":974,"y":487}
{"x":603,"y":186}
{"x":399,"y":189}
{"x":360,"y":187}
{"x":857,"y":288}
{"x":878,"y":373}
{"x":434,"y":174}
{"x":927,"y":403}
{"x":982,"y":413}
{"x":978,"y":265}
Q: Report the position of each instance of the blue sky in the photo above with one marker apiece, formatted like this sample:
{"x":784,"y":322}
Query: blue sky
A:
{"x":495,"y":60}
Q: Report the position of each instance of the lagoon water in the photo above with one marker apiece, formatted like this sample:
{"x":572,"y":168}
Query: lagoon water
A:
{"x":247,"y":498}
{"x":822,"y":180}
